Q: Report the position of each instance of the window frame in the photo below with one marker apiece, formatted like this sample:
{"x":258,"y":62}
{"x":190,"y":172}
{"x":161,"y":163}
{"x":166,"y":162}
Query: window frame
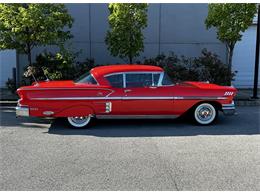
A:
{"x":162,"y":80}
{"x":159,"y":84}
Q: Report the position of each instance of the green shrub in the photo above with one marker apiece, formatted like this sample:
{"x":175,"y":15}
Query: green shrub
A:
{"x":207,"y":67}
{"x":59,"y":66}
{"x":212,"y":69}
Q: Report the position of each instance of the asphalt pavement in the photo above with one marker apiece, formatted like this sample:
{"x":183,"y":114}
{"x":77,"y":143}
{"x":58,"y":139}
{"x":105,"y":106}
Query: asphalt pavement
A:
{"x":39,"y":154}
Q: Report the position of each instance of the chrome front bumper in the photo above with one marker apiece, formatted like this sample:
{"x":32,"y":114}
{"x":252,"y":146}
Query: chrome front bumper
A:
{"x":22,"y":111}
{"x":229,"y":109}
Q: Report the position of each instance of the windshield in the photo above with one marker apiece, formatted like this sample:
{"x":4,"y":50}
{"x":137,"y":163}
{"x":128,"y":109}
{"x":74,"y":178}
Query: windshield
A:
{"x":86,"y":78}
{"x":166,"y":80}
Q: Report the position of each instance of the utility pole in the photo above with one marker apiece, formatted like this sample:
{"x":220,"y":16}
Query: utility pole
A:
{"x":257,"y":55}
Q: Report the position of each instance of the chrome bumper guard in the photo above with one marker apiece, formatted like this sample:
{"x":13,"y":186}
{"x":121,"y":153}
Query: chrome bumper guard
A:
{"x":229,"y":109}
{"x":22,"y":111}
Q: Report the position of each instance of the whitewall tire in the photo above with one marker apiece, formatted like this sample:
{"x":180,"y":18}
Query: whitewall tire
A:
{"x":79,"y":122}
{"x":205,"y":114}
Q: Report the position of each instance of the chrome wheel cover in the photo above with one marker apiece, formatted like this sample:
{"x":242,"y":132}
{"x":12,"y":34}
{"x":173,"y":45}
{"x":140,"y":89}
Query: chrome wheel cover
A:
{"x":205,"y":113}
{"x":79,"y":121}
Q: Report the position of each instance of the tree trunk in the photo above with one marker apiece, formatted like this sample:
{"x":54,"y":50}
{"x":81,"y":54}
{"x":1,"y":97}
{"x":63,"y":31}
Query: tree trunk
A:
{"x":29,"y":55}
{"x":230,"y":56}
{"x":130,"y":59}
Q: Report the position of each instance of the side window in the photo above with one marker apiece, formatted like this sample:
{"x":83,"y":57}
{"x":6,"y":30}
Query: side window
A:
{"x":138,"y":80}
{"x":116,"y":80}
{"x":156,"y":77}
{"x":166,"y":80}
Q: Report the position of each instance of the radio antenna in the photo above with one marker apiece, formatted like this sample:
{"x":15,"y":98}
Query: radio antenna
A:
{"x":29,"y":72}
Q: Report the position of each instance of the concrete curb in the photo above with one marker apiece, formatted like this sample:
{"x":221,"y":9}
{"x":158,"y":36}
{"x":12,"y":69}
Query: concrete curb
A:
{"x":237,"y":103}
{"x":247,"y":102}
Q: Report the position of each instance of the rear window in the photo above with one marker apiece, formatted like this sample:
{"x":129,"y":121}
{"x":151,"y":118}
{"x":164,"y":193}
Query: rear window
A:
{"x":86,"y":78}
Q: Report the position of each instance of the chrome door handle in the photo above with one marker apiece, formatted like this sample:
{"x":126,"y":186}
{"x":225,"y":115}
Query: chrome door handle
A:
{"x":127,"y":90}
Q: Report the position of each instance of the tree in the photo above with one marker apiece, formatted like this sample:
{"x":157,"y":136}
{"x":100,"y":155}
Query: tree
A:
{"x":25,"y":26}
{"x":230,"y":20}
{"x":126,"y":20}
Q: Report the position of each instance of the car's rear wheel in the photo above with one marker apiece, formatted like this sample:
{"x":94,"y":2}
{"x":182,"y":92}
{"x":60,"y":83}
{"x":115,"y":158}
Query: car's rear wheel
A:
{"x":205,"y":114}
{"x":79,"y":122}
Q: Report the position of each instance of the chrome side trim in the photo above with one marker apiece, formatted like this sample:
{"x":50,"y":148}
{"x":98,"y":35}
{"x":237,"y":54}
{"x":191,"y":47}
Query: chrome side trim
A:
{"x":199,"y":98}
{"x":79,"y":98}
{"x":229,"y":109}
{"x":136,"y":116}
{"x":133,"y":98}
{"x":48,"y":113}
{"x":108,"y":107}
{"x":65,"y":88}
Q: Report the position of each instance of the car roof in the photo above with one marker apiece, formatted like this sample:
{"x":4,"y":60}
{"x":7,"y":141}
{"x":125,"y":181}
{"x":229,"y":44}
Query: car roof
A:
{"x":104,"y":70}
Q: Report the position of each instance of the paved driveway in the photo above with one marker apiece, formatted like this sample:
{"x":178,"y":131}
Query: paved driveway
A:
{"x":131,"y":154}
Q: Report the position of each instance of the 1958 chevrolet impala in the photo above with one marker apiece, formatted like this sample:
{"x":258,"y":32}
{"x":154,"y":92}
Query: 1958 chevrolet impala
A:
{"x":125,"y":91}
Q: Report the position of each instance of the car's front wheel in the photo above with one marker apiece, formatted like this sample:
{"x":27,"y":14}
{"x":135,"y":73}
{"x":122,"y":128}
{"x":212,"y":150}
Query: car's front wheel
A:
{"x":79,"y":122}
{"x":205,"y":114}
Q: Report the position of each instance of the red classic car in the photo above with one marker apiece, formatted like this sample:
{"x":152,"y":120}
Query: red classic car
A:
{"x":125,"y":91}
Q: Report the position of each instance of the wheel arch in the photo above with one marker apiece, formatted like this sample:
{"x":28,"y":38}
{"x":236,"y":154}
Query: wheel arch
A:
{"x":76,"y":110}
{"x":214,"y":103}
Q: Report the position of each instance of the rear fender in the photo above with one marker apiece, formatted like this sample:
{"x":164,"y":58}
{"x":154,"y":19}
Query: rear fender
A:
{"x":78,"y":110}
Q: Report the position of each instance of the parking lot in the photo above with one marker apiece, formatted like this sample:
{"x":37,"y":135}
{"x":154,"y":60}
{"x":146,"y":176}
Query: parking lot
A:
{"x":39,"y":154}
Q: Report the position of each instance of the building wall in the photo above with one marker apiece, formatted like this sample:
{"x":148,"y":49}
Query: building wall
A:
{"x":244,"y":59}
{"x":171,"y":27}
{"x":7,"y":63}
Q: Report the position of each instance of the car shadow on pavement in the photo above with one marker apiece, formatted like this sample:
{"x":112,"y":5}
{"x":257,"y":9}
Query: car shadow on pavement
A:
{"x":155,"y":128}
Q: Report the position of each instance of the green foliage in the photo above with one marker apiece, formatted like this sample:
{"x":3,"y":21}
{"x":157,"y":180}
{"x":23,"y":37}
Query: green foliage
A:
{"x":230,"y":19}
{"x":59,"y":66}
{"x":125,"y":37}
{"x":210,"y":68}
{"x":207,"y":67}
{"x":25,"y":26}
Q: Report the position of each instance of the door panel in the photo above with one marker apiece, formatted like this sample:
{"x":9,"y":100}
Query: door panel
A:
{"x":148,"y":101}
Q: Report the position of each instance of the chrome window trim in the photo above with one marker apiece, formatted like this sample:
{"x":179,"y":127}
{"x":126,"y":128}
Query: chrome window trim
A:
{"x":157,"y":84}
{"x":124,"y":80}
{"x":162,"y":80}
{"x":134,"y":72}
{"x":95,"y":79}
